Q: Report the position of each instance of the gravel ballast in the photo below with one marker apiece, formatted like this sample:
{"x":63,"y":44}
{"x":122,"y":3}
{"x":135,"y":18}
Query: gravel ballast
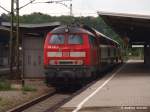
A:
{"x":12,"y":98}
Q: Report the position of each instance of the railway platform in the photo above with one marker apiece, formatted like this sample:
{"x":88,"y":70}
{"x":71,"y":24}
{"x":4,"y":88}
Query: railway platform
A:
{"x":125,"y":90}
{"x":5,"y":70}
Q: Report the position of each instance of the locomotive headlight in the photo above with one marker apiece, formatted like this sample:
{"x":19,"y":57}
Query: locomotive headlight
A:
{"x":79,"y":62}
{"x":77,"y":54}
{"x":53,"y":62}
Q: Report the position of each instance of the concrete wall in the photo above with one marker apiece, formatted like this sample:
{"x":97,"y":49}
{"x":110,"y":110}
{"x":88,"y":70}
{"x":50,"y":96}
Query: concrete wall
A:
{"x":33,"y":57}
{"x":147,"y":55}
{"x":4,"y":55}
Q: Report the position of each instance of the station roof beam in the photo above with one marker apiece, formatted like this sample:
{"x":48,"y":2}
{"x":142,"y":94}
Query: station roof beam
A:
{"x":132,"y":26}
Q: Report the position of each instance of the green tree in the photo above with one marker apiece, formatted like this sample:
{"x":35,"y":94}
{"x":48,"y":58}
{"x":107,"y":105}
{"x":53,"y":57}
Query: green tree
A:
{"x":95,"y":22}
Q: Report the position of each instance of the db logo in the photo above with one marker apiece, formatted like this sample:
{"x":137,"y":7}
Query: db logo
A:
{"x":66,"y":54}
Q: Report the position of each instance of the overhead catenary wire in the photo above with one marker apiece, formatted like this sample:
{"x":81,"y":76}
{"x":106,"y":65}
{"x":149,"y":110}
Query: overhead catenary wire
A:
{"x":26,"y":4}
{"x":61,"y":3}
{"x":4,"y":9}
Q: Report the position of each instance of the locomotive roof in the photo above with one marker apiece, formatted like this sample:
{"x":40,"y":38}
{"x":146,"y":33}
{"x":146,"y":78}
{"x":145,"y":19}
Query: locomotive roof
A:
{"x":99,"y":33}
{"x":74,"y":29}
{"x":83,"y":29}
{"x":108,"y":38}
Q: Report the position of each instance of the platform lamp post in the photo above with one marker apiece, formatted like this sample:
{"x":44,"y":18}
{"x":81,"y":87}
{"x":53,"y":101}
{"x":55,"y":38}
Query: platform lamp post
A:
{"x":71,"y":11}
{"x":11,"y":54}
{"x":17,"y":31}
{"x":11,"y":37}
{"x":17,"y":34}
{"x":18,"y":48}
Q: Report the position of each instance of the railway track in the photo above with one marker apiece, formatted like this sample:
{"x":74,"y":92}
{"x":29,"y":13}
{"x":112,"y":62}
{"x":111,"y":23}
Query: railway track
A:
{"x":52,"y":101}
{"x":29,"y":104}
{"x":50,"y":104}
{"x":46,"y":103}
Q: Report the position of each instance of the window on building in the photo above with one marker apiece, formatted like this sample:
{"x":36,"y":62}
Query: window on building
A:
{"x":29,"y":60}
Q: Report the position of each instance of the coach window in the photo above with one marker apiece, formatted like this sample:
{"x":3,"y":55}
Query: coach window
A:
{"x":75,"y":39}
{"x":57,"y":39}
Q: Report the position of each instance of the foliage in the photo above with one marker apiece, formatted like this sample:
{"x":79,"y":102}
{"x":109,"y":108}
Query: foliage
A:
{"x":28,"y":88}
{"x":95,"y":22}
{"x":4,"y":17}
{"x":136,"y":53}
{"x":5,"y":85}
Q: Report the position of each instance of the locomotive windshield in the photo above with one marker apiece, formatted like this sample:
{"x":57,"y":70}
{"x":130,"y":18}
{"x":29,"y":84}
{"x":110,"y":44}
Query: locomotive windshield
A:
{"x":57,"y":39}
{"x":70,"y":39}
{"x":75,"y":39}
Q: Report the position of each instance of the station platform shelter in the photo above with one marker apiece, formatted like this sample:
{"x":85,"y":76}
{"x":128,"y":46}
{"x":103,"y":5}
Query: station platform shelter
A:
{"x":32,"y":36}
{"x":125,"y":89}
{"x":4,"y":46}
{"x":134,"y":29}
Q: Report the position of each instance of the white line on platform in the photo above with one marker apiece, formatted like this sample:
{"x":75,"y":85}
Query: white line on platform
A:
{"x":80,"y":105}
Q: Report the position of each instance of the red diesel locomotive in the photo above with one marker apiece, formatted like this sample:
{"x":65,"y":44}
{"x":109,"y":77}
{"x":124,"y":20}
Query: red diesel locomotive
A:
{"x":74,"y":54}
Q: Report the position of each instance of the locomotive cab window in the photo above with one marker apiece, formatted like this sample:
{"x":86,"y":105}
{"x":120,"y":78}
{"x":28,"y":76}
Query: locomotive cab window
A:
{"x":57,"y":39}
{"x":75,"y":39}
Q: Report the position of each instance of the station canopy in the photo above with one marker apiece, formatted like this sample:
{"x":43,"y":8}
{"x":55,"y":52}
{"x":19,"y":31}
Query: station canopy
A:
{"x":132,"y":28}
{"x":33,"y":29}
{"x":36,"y":30}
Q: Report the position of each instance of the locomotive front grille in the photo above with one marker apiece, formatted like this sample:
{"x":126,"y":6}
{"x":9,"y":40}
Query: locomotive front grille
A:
{"x":66,"y":63}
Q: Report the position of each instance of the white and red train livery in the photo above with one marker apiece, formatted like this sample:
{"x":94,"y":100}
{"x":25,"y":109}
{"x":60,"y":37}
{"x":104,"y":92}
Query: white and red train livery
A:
{"x":74,"y":54}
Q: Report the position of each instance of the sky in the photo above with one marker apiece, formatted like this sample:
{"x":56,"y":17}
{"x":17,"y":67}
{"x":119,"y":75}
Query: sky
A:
{"x":83,"y":7}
